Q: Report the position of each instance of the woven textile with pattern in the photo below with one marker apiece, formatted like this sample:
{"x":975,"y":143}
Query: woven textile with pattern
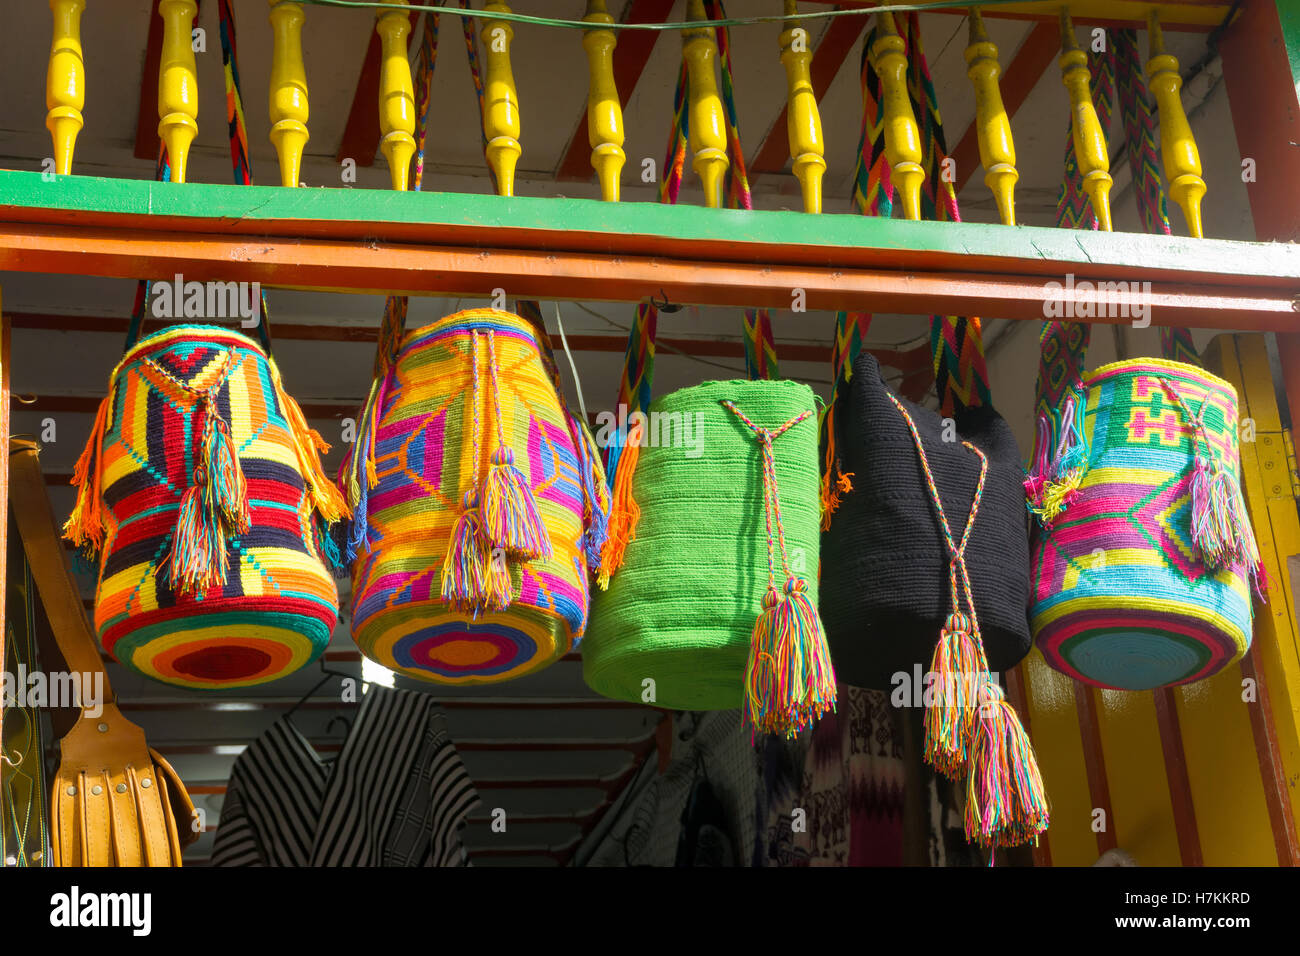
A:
{"x":1122,"y":595}
{"x":164,"y":604}
{"x":682,"y":609}
{"x":424,"y":462}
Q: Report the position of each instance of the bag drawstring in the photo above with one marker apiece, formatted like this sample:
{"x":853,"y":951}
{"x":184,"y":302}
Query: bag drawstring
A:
{"x":974,"y":729}
{"x":510,"y":515}
{"x":214,"y":506}
{"x":1221,"y":526}
{"x":789,"y":678}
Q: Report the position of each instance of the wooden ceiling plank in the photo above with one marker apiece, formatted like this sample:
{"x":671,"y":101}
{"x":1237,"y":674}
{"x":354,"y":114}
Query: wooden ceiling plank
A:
{"x":834,"y":47}
{"x":630,"y":58}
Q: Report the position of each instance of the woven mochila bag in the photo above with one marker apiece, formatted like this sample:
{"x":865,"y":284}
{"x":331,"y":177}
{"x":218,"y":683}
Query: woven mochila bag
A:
{"x":479,"y":504}
{"x":202,"y":502}
{"x":1144,"y":562}
{"x":724,"y":486}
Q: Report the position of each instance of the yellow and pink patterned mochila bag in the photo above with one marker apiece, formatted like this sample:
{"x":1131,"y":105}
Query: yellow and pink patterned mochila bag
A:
{"x":480,"y":503}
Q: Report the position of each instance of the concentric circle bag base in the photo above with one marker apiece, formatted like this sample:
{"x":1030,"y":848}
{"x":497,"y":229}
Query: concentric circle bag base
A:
{"x":191,"y":406}
{"x":674,"y":628}
{"x":885,"y":583}
{"x":1122,"y":597}
{"x":424,"y":461}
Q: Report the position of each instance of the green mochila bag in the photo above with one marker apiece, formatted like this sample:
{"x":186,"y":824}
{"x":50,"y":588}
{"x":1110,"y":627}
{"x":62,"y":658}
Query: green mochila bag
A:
{"x":716,"y":598}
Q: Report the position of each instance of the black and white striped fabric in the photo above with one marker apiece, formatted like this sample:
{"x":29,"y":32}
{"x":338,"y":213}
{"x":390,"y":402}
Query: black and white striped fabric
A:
{"x":398,"y":795}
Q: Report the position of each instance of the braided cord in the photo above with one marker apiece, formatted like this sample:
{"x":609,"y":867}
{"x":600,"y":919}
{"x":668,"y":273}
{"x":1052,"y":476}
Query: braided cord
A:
{"x":956,"y":552}
{"x":771,"y":493}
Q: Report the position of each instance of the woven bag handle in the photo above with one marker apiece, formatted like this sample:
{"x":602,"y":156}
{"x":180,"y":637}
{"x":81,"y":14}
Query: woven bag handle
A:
{"x":243,"y":174}
{"x":956,"y":342}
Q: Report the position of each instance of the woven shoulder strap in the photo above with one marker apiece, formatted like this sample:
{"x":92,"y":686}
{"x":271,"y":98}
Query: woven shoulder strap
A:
{"x":243,"y":174}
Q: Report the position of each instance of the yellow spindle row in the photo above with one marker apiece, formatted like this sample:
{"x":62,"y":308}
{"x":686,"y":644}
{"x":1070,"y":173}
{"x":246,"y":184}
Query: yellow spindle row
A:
{"x":396,"y":94}
{"x":178,"y":84}
{"x":65,"y":82}
{"x":288,"y":101}
{"x":1182,"y":161}
{"x":604,"y":112}
{"x":288,"y":105}
{"x":803,"y":121}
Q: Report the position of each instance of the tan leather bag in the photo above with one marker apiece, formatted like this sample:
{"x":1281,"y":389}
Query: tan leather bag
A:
{"x":115,"y":801}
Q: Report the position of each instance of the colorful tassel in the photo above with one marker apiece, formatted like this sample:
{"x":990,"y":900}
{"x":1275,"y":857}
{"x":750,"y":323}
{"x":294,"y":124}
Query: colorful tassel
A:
{"x":1220,"y":523}
{"x":85,"y":526}
{"x":1006,"y":803}
{"x":465,"y":568}
{"x":624,"y":512}
{"x":309,"y":446}
{"x":595,"y":494}
{"x":958,"y":668}
{"x":198,"y":559}
{"x":789,"y":681}
{"x":225,"y":491}
{"x":510,"y":516}
{"x":1054,"y":483}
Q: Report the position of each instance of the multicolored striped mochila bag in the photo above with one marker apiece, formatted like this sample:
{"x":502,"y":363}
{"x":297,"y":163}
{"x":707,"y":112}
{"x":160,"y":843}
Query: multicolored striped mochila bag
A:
{"x":1142,"y":571}
{"x":479,"y":503}
{"x":202,"y":502}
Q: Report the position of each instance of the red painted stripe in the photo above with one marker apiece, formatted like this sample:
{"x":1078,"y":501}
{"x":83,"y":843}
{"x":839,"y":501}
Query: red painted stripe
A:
{"x":1180,"y":787}
{"x":832,"y":50}
{"x":1094,"y":760}
{"x":1042,"y":850}
{"x":360,"y":140}
{"x":1038,"y":51}
{"x":146,"y":124}
{"x":630,"y":57}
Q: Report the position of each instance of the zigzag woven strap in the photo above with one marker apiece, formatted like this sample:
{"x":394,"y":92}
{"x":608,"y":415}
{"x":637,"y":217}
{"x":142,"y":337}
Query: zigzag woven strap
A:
{"x":243,"y":174}
{"x":1139,"y":115}
{"x":956,"y":342}
{"x":760,"y":344}
{"x":637,"y":378}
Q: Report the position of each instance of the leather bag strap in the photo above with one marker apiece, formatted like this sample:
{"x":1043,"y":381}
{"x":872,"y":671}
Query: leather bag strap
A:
{"x":49,"y":564}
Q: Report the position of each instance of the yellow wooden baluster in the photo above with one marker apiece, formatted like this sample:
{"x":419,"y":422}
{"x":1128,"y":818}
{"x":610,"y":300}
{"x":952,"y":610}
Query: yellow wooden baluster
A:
{"x":604,"y":112}
{"x":992,"y":127}
{"x":902,"y":137}
{"x":65,"y":82}
{"x":1182,"y":161}
{"x":396,"y":94}
{"x":1089,"y":137}
{"x":708,"y":129}
{"x":803,"y":121}
{"x":288,"y":99}
{"x":501,"y":105}
{"x":178,"y":84}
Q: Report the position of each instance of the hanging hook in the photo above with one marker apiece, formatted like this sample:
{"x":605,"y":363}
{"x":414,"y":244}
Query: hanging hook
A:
{"x":665,"y":305}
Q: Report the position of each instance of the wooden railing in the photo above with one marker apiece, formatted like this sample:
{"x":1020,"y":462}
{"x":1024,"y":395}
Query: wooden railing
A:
{"x":178,"y":101}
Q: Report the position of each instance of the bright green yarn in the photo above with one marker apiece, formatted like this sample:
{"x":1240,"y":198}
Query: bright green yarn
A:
{"x":681,"y":609}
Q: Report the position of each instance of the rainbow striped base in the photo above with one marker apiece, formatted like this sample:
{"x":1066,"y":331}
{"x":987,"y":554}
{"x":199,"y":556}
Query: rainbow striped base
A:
{"x":1122,"y":599}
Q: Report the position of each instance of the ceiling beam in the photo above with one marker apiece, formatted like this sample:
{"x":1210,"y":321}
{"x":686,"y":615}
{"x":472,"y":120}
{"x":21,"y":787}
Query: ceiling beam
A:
{"x":834,"y":47}
{"x":1037,"y":52}
{"x":630,"y":58}
{"x":360,"y":139}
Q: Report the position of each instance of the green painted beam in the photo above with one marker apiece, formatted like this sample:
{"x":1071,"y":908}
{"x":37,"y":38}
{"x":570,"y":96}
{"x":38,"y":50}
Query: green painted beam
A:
{"x":581,"y":225}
